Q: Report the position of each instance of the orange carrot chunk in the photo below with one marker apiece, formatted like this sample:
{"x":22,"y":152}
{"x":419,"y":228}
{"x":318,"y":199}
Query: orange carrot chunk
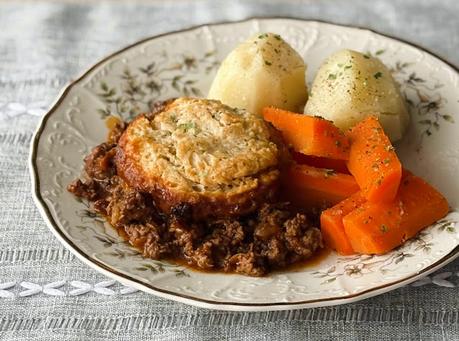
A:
{"x":310,"y":135}
{"x":307,"y":186}
{"x":376,"y":228}
{"x":373,"y":161}
{"x":331,"y":224}
{"x":320,"y":162}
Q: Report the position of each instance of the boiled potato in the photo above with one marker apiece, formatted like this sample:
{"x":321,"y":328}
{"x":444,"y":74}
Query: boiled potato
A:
{"x":262,"y":71}
{"x":350,"y":86}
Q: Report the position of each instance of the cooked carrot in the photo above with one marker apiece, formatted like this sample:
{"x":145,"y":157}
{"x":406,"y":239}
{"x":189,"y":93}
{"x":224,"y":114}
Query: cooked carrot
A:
{"x":373,"y":161}
{"x":309,"y":135}
{"x":307,"y":186}
{"x":422,"y":205}
{"x":331,"y":224}
{"x":320,"y":162}
{"x":375,"y":228}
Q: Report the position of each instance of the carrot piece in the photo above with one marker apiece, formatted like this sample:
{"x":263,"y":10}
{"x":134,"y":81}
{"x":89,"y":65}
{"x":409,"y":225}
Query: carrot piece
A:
{"x":308,"y":186}
{"x":376,"y":228}
{"x":373,"y":161}
{"x":309,"y":135}
{"x":320,"y":162}
{"x":331,"y":224}
{"x":422,"y":205}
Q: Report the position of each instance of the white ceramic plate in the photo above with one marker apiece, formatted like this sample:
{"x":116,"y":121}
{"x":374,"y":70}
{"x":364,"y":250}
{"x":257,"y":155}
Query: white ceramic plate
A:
{"x":184,"y":63}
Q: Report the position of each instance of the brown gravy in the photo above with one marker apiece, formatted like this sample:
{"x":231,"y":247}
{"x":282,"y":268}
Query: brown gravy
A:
{"x":314,"y":260}
{"x":265,"y":241}
{"x":299,"y":266}
{"x":111,"y":122}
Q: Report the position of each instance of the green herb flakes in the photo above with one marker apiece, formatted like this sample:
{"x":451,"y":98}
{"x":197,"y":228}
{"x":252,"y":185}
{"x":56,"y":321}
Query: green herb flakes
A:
{"x":187,"y":126}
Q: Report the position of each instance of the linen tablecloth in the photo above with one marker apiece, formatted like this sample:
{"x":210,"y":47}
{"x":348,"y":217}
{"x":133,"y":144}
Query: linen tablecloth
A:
{"x":47,"y":294}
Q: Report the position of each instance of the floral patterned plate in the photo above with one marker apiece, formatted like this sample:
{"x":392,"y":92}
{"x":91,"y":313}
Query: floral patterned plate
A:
{"x":184,"y":63}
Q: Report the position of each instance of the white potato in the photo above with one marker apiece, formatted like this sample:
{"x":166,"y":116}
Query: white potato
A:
{"x":350,"y":86}
{"x":262,"y":71}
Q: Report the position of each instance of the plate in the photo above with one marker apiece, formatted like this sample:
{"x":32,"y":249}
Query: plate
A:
{"x":184,"y":63}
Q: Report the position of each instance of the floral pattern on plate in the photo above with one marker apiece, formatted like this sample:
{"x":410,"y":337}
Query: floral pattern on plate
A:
{"x":184,"y":63}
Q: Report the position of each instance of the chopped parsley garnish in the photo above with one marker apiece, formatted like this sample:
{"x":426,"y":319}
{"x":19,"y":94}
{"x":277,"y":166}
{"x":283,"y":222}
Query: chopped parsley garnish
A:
{"x":377,"y":75}
{"x":366,"y":56}
{"x":384,"y":228}
{"x":268,"y":63}
{"x":347,"y":67}
{"x":187,"y":126}
{"x":386,"y":161}
{"x":264,"y":35}
{"x":332,"y":76}
{"x":278,"y":37}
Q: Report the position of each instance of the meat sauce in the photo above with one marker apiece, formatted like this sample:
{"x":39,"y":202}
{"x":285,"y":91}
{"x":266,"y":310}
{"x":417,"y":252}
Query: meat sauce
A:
{"x":275,"y":237}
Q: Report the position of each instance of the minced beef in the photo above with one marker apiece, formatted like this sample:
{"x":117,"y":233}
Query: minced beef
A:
{"x":271,"y":238}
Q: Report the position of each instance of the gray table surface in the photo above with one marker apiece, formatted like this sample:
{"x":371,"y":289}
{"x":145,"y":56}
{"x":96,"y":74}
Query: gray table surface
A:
{"x":47,"y":294}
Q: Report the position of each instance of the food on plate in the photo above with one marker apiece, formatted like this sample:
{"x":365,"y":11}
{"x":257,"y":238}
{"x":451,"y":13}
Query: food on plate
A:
{"x":262,"y":71}
{"x":217,"y":160}
{"x":196,"y":181}
{"x":376,"y":228}
{"x":312,"y":187}
{"x":377,"y":210}
{"x":331,"y":223}
{"x":350,"y":85}
{"x":373,"y":161}
{"x":238,"y":182}
{"x":367,"y":219}
{"x":309,"y":135}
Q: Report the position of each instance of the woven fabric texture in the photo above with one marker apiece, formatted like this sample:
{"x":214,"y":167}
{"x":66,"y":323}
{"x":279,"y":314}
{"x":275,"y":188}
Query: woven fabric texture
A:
{"x":47,"y":294}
